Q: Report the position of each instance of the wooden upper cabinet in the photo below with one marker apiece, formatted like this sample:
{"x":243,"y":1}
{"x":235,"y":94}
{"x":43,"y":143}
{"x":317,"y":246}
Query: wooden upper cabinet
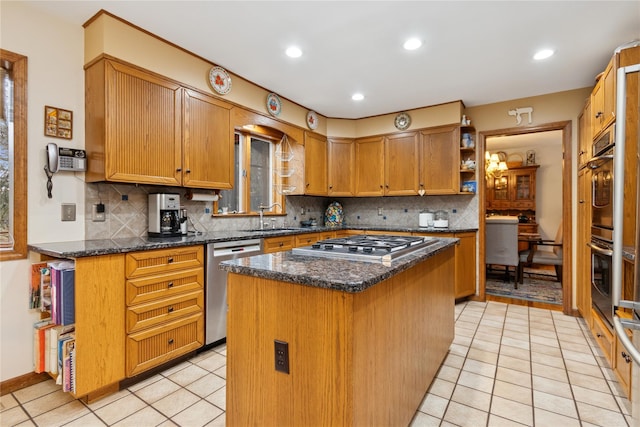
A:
{"x":341,"y":162}
{"x":133,"y":125}
{"x":440,"y":160}
{"x":369,"y":166}
{"x":603,"y":101}
{"x":208,"y":142}
{"x":584,"y":135}
{"x":401,"y":164}
{"x":315,"y":161}
{"x":147,"y":129}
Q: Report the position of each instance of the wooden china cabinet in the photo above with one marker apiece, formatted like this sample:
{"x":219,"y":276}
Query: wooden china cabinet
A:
{"x":513,"y":190}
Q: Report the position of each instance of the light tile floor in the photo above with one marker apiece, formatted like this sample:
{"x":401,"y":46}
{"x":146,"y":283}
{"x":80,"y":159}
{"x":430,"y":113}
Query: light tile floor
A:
{"x":509,"y":365}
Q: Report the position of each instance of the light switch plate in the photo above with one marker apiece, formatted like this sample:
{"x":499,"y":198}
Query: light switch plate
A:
{"x":68,"y":212}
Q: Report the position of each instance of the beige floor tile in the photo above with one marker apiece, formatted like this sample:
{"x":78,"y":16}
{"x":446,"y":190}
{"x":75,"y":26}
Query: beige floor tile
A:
{"x":454,"y":360}
{"x":219,"y":398}
{"x":518,"y":353}
{"x":588,"y":369}
{"x":470,"y":397}
{"x":197,"y":415}
{"x":545,"y":359}
{"x":520,"y":336}
{"x":553,"y":403}
{"x":485,"y":345}
{"x":13,"y":416}
{"x":595,"y":398}
{"x":122,"y":408}
{"x":490,"y":332}
{"x":587,"y":358}
{"x":546,"y":418}
{"x":587,"y":381}
{"x":157,"y":390}
{"x":213,"y":362}
{"x":460,"y":350}
{"x":221,"y":372}
{"x":575,"y":337}
{"x":480,"y":368}
{"x":542,"y":329}
{"x":462,"y":340}
{"x":188,"y":375}
{"x":62,"y":414}
{"x":545,"y":349}
{"x":515,"y":343}
{"x":465,"y":416}
{"x":470,"y":326}
{"x":144,"y":383}
{"x":27,"y":423}
{"x":176,"y":368}
{"x":482,"y":356}
{"x":492,"y":323}
{"x":578,"y":348}
{"x":624,"y":404}
{"x":442,"y":388}
{"x":512,"y":392}
{"x":146,"y":417}
{"x":550,"y":372}
{"x":7,"y":402}
{"x":512,"y":410}
{"x":108,"y":399}
{"x":169,"y":423}
{"x":221,"y":421}
{"x":47,"y":402}
{"x":448,"y":373}
{"x":496,"y":421}
{"x":206,"y":385}
{"x":514,"y":377}
{"x":599,"y":416}
{"x":545,"y":340}
{"x":35,"y":391}
{"x":464,"y":332}
{"x":424,"y":420}
{"x":476,"y":381}
{"x":175,"y":402}
{"x":434,"y":405}
{"x":557,"y":388}
{"x":513,"y":363}
{"x":88,"y":420}
{"x":517,"y":327}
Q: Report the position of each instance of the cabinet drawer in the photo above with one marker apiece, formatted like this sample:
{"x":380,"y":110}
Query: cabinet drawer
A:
{"x":307,"y":239}
{"x":623,"y":367}
{"x":603,"y":336}
{"x":150,"y":288}
{"x":163,"y":260}
{"x":154,"y":313}
{"x":277,"y":244}
{"x":155,"y":346}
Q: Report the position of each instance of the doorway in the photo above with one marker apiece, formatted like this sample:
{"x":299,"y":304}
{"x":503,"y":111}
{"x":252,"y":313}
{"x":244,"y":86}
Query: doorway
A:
{"x":566,"y":201}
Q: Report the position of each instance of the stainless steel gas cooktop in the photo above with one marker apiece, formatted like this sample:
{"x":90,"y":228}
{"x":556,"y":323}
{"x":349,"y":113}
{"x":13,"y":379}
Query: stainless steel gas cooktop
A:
{"x":367,"y":248}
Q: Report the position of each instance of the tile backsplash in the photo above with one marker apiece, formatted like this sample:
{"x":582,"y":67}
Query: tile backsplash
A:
{"x":126,"y":211}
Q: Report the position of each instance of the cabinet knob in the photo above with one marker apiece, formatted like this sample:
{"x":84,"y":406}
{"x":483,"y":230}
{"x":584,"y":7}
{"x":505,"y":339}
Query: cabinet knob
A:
{"x":598,"y":114}
{"x":170,"y":310}
{"x":179,"y":170}
{"x":599,"y":335}
{"x":170,"y":285}
{"x":281,"y":244}
{"x":188,"y":171}
{"x":626,"y":357}
{"x":330,"y":187}
{"x":170,"y":260}
{"x":581,"y":201}
{"x":170,"y":341}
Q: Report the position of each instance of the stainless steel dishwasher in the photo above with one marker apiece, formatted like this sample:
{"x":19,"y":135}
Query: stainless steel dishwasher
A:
{"x":216,"y":291}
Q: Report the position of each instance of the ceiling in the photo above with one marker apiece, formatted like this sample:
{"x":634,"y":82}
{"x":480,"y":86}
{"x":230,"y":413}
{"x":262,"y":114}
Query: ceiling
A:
{"x":479,"y":52}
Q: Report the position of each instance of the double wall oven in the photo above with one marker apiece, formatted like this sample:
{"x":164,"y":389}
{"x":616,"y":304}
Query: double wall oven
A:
{"x":602,"y":229}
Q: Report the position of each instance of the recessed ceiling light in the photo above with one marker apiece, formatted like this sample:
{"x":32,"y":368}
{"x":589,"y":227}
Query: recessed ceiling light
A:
{"x":412,"y":44}
{"x":543,"y":54}
{"x":293,"y":52}
{"x":357,"y":97}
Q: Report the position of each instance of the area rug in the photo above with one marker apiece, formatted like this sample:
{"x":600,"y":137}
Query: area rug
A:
{"x":539,"y":285}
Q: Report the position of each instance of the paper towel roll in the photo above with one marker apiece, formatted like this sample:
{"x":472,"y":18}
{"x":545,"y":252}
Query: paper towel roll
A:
{"x":202,"y":197}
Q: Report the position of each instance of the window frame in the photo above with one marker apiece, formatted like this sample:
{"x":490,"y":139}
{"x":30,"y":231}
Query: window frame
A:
{"x":20,"y":213}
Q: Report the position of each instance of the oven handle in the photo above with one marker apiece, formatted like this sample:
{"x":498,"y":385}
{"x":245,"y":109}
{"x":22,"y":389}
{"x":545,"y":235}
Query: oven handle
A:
{"x":598,"y":161}
{"x":601,"y":251}
{"x":618,"y":205}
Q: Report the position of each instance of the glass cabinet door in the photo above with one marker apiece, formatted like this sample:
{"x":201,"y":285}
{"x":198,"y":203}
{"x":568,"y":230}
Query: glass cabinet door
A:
{"x":501,"y":188}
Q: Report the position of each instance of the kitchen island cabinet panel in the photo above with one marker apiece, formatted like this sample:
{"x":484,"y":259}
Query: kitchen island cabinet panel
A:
{"x":341,"y":372}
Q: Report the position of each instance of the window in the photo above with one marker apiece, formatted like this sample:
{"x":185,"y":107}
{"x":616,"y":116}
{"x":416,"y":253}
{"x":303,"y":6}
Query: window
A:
{"x":254,"y":176}
{"x":13,"y":156}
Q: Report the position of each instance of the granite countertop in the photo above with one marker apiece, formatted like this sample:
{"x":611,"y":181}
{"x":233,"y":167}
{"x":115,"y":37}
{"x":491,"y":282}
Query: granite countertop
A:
{"x":331,"y":273}
{"x":85,"y":248}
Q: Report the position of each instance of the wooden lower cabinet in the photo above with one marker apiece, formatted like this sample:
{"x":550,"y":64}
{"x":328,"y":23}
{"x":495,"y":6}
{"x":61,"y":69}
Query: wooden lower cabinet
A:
{"x":308,"y":239}
{"x":623,"y":366}
{"x":465,"y":259}
{"x":603,"y":336}
{"x":165,"y":306}
{"x":277,"y":244}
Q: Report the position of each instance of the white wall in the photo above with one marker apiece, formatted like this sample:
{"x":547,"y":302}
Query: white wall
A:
{"x":55,"y":77}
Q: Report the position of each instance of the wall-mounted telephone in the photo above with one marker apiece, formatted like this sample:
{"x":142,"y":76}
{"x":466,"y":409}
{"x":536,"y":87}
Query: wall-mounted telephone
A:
{"x":63,"y":159}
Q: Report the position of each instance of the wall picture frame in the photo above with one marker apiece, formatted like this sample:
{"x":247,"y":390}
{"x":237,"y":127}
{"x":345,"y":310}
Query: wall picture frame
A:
{"x":58,"y":122}
{"x":531,"y":157}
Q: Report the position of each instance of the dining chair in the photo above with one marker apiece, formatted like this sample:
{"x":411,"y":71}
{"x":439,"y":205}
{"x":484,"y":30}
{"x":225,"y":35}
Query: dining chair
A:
{"x":534,"y":255}
{"x":501,"y":244}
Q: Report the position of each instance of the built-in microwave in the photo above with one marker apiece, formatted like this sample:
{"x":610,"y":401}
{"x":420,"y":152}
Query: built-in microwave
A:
{"x":606,"y":140}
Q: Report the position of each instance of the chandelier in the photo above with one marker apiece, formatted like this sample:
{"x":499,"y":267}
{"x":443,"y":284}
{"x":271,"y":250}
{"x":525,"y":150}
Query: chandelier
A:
{"x":494,"y":166}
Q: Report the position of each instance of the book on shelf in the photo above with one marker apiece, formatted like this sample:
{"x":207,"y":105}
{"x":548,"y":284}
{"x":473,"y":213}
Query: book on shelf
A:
{"x":69,"y":366}
{"x":36,"y":285}
{"x":62,"y":286}
{"x":39,"y":345}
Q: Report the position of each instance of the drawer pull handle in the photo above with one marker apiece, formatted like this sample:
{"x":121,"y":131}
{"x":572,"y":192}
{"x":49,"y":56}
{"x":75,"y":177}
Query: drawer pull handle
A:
{"x":599,"y":335}
{"x":170,"y":260}
{"x":170,"y":285}
{"x":170,"y":341}
{"x":281,"y":244}
{"x":170,"y":309}
{"x":626,"y":357}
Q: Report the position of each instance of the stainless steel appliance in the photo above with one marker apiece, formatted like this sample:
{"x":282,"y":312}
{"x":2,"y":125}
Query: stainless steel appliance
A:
{"x":216,"y":288}
{"x":365,"y":247}
{"x":602,"y":183}
{"x":164,"y":215}
{"x":601,"y":278}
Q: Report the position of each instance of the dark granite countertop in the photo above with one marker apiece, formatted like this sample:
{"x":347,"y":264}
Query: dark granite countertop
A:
{"x":330,"y":273}
{"x":85,"y":248}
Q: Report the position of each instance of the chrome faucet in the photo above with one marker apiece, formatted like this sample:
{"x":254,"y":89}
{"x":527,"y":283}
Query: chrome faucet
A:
{"x":262,"y":208}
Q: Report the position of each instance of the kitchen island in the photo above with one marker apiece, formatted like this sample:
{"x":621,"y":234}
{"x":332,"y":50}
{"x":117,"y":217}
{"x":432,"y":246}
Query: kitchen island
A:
{"x":364,"y":340}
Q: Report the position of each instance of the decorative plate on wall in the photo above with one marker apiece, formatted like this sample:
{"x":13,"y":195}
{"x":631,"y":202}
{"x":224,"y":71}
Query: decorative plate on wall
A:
{"x":274,"y":105}
{"x":402,"y":121}
{"x":312,"y":120}
{"x":220,"y":80}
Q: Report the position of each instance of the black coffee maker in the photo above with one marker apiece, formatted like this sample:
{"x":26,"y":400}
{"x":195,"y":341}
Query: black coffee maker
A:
{"x":164,"y":215}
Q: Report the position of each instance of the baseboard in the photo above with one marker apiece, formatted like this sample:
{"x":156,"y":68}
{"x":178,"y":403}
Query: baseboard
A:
{"x":17,"y":383}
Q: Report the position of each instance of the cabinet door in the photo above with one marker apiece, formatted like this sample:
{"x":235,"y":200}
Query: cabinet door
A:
{"x":401,"y":164}
{"x":208,"y":142}
{"x":143,"y":120}
{"x":583,"y":262}
{"x":341,"y":162}
{"x":499,"y":188}
{"x":609,"y":96}
{"x":523,"y":187}
{"x":315,"y":164}
{"x":584,"y":135}
{"x":439,"y":155}
{"x":369,"y":168}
